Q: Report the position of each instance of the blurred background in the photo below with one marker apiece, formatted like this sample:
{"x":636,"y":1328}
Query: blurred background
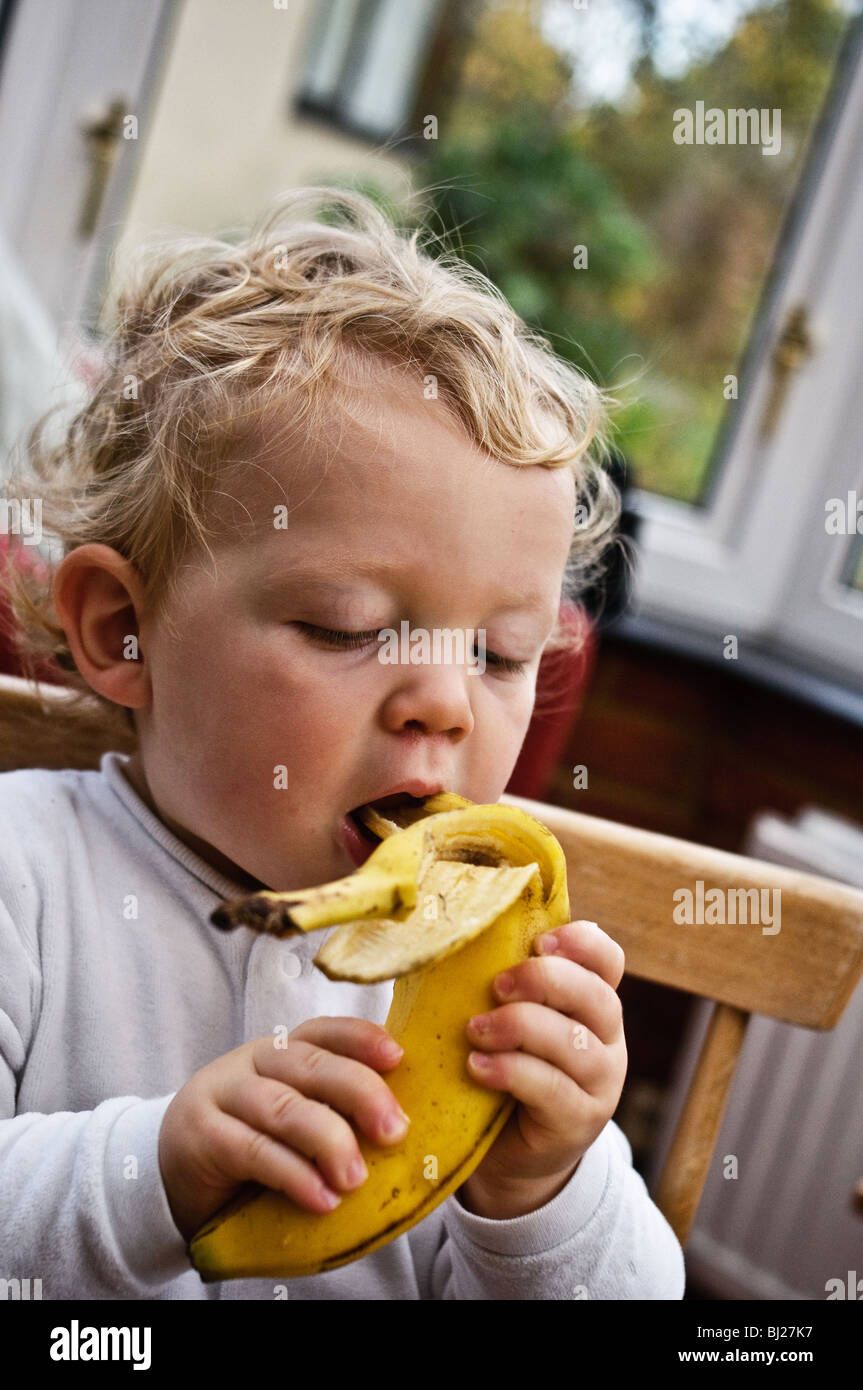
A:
{"x":714,"y":287}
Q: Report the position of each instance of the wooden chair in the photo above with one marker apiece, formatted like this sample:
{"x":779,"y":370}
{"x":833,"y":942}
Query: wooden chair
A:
{"x":35,"y":732}
{"x":624,"y":879}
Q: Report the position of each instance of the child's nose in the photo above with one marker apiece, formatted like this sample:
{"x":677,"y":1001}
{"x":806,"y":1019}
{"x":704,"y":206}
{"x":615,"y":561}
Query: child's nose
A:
{"x":432,"y":699}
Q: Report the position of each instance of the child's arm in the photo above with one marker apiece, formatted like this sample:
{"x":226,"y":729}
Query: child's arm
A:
{"x":82,"y":1205}
{"x":81,"y":1202}
{"x":99,"y":1203}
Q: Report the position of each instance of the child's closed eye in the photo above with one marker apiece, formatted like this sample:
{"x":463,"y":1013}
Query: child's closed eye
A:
{"x":335,"y":637}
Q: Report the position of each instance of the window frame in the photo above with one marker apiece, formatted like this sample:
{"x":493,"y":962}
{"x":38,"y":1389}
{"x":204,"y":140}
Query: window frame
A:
{"x":700,"y":568}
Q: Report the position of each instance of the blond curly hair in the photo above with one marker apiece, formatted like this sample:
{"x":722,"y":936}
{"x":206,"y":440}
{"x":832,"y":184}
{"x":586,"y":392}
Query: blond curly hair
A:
{"x":207,"y":337}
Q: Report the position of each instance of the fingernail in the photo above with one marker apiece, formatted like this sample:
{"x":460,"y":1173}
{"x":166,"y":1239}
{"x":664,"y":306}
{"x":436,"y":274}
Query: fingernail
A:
{"x":395,"y":1125}
{"x":391,"y":1048}
{"x":479,"y":1059}
{"x":357,"y":1172}
{"x":549,"y":942}
{"x":330,"y":1199}
{"x":504,"y":983}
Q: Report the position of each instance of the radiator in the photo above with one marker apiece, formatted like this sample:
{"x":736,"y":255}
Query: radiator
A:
{"x":786,"y":1225}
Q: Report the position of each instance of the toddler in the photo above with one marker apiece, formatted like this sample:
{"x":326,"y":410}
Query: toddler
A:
{"x":300,"y":440}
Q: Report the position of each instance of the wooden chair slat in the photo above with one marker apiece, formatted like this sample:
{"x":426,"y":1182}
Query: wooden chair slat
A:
{"x":34,"y":731}
{"x":684,"y":1171}
{"x":625,"y":879}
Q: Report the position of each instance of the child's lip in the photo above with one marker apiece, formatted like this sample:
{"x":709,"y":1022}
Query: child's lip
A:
{"x":414,"y":789}
{"x":354,"y":843}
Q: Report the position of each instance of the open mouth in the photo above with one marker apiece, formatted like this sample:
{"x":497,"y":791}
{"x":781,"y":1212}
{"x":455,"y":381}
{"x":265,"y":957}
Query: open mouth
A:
{"x":361,"y":828}
{"x":366,"y":826}
{"x":387,"y":813}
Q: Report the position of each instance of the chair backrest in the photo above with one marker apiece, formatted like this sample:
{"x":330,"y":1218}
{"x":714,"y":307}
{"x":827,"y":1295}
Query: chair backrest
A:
{"x":33,"y":733}
{"x":755,"y":937}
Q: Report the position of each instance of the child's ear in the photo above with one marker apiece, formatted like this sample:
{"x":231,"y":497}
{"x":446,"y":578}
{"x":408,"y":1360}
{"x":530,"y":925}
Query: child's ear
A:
{"x":99,"y":598}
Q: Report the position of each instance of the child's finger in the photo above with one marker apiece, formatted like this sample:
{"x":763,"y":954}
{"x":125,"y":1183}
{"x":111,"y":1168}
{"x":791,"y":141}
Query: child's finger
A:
{"x":352,"y":1037}
{"x":568,"y":988}
{"x":248,"y":1154}
{"x":587,"y":944}
{"x":542,"y":1033}
{"x":556,"y":1103}
{"x":339,"y":1083}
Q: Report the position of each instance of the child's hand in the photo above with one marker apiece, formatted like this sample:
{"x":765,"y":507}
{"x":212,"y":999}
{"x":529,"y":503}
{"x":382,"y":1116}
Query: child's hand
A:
{"x":269,"y":1114}
{"x":561,"y":1052}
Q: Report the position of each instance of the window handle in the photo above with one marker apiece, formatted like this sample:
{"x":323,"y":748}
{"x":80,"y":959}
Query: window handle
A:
{"x":791,"y":351}
{"x":101,"y":138}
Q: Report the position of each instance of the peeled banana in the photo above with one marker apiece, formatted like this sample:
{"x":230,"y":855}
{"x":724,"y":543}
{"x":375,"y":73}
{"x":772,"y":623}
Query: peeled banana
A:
{"x":454,"y":894}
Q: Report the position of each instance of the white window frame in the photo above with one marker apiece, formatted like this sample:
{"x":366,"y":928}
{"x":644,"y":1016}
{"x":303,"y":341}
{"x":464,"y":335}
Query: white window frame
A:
{"x":703,"y":569}
{"x":62,"y":60}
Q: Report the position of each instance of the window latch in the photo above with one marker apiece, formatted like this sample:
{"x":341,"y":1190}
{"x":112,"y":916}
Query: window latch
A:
{"x":102,"y":140}
{"x":791,"y":351}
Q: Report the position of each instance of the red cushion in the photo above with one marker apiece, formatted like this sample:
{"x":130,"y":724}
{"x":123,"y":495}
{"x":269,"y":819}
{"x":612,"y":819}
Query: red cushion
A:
{"x":28,"y":559}
{"x":561,"y":685}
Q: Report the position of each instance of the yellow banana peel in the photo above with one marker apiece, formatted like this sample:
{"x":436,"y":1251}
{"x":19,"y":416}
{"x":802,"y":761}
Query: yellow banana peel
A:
{"x":454,"y":894}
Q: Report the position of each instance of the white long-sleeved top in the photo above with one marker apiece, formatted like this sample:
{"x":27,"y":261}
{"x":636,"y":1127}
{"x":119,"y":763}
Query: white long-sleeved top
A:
{"x":115,"y":988}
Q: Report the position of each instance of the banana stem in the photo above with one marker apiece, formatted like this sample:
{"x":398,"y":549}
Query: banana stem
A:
{"x":349,"y":899}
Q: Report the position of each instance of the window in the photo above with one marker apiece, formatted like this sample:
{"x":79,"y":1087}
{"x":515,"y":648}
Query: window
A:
{"x":702,"y":118}
{"x":772,"y":557}
{"x":745,"y":435}
{"x":364,"y":63}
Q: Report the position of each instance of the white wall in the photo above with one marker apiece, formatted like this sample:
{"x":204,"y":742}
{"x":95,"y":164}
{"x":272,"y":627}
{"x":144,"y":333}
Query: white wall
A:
{"x":223,"y":139}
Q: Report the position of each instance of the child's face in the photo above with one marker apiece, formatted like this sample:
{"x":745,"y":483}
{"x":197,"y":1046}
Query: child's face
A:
{"x":406,"y":520}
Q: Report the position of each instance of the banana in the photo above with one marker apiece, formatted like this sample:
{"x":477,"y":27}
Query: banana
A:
{"x":452,"y":895}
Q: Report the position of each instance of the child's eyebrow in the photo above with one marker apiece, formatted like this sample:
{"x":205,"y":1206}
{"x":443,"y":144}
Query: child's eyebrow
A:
{"x":337,"y":578}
